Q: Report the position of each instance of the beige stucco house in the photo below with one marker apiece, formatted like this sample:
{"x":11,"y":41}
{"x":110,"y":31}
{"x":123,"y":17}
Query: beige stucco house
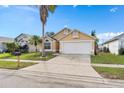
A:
{"x":66,"y":41}
{"x":69,"y":41}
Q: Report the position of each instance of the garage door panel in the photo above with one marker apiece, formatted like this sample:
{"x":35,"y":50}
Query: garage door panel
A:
{"x":76,"y":47}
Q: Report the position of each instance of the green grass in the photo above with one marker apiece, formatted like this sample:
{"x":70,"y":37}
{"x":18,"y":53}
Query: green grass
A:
{"x":106,"y":58}
{"x":13,"y":65}
{"x":27,"y":56}
{"x":112,"y":73}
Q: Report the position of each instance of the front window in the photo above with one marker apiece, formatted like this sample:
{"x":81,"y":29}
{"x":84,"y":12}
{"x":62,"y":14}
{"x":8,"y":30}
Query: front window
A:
{"x":47,"y":45}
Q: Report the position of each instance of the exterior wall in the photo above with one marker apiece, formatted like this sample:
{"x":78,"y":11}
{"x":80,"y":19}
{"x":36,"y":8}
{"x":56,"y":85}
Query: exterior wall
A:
{"x":57,"y":46}
{"x":53,"y":45}
{"x":105,"y":45}
{"x":81,"y":37}
{"x":121,"y":42}
{"x":2,"y":46}
{"x":32,"y":48}
{"x":114,"y":47}
{"x":3,"y":41}
{"x":61,"y":34}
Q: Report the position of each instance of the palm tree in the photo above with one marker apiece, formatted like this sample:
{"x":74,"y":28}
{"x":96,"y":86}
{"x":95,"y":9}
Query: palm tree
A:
{"x":35,"y":40}
{"x":44,"y":11}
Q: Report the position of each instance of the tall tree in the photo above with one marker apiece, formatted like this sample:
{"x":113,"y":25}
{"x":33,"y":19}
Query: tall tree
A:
{"x":93,"y":33}
{"x":50,"y":34}
{"x":35,"y":40}
{"x":44,"y":11}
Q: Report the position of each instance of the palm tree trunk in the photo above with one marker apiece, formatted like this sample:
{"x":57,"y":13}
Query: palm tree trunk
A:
{"x":43,"y":50}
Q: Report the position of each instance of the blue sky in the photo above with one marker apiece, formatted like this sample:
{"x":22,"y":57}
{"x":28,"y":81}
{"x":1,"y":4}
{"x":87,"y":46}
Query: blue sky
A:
{"x":108,"y":21}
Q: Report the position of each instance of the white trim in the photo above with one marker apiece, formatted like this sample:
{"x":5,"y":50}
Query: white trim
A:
{"x":77,"y":41}
{"x":48,"y":49}
{"x":51,"y":47}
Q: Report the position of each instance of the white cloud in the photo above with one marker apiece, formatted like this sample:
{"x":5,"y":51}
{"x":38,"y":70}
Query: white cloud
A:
{"x":113,"y":9}
{"x":65,"y":26}
{"x":74,"y":6}
{"x":28,"y":8}
{"x":24,"y":7}
{"x":106,"y":36}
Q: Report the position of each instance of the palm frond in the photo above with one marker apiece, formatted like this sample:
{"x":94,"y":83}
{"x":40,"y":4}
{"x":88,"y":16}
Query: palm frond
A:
{"x":52,"y":8}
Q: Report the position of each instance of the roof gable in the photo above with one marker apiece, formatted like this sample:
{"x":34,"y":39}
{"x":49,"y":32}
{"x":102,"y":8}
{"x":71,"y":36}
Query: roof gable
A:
{"x":22,"y":34}
{"x":82,"y":36}
{"x":61,"y":34}
{"x":50,"y":38}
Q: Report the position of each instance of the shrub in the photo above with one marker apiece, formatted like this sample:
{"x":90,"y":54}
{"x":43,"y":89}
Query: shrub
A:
{"x":121,"y":51}
{"x":106,"y":50}
{"x":24,"y":49}
{"x":11,"y":47}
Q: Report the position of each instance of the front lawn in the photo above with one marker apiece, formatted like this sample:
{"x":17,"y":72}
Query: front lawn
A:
{"x":112,"y":73}
{"x":13,"y":65}
{"x":27,"y":56}
{"x":106,"y":58}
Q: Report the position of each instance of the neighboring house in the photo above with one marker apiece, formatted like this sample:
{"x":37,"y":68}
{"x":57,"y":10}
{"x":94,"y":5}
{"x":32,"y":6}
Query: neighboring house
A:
{"x":114,"y":44}
{"x":24,"y":39}
{"x":4,"y":40}
{"x":69,"y":41}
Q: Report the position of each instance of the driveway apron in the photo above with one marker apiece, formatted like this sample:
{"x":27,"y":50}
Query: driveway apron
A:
{"x":76,"y":65}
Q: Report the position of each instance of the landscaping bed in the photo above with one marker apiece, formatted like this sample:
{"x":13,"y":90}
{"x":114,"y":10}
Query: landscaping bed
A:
{"x":107,"y":58}
{"x":27,"y":56}
{"x":13,"y":65}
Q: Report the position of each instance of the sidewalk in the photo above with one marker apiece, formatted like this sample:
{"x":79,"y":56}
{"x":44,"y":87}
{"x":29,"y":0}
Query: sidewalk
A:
{"x":108,"y":65}
{"x":14,"y":60}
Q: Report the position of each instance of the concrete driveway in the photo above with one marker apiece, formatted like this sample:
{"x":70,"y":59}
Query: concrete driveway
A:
{"x":61,"y":71}
{"x":69,"y":65}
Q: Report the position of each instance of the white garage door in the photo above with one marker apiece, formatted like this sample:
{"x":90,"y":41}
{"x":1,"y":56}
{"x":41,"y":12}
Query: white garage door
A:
{"x":83,"y":47}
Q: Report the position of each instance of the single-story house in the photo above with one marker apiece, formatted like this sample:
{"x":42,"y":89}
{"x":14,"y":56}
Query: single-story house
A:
{"x":4,"y":40}
{"x":114,"y":44}
{"x":69,"y":41}
{"x":66,"y":41}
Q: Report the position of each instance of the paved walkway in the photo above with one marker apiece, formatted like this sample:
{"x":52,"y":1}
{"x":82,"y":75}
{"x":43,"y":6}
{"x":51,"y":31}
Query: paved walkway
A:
{"x":14,"y":60}
{"x":108,"y":65}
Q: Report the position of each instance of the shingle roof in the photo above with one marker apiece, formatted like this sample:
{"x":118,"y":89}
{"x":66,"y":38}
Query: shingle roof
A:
{"x":23,"y":34}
